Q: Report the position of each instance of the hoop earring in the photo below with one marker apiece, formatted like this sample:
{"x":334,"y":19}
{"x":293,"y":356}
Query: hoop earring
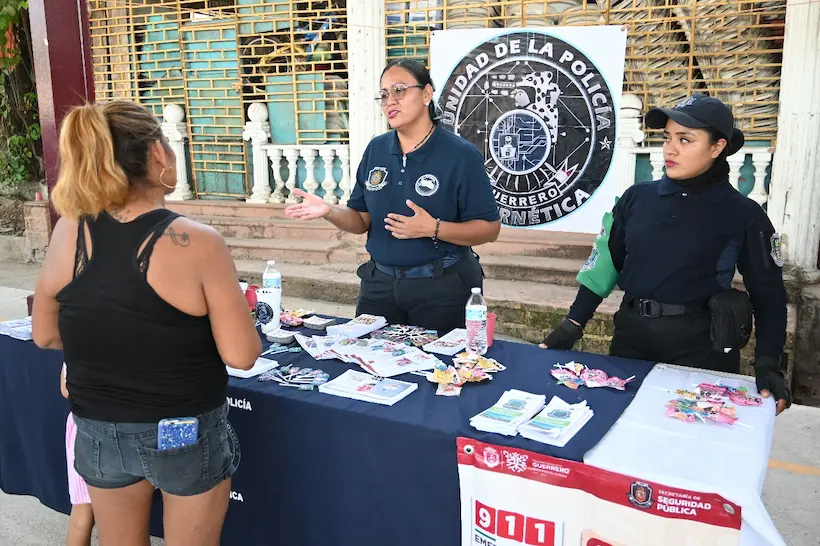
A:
{"x":163,"y":183}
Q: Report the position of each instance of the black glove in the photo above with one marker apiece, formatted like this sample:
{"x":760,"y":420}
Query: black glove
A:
{"x":769,"y":378}
{"x":564,"y":336}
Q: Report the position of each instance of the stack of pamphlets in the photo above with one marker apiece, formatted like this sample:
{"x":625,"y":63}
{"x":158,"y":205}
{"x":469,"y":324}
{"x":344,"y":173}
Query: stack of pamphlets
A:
{"x":367,"y":388}
{"x":261,"y":366}
{"x":358,"y":327}
{"x":18,"y":329}
{"x":450,"y":344}
{"x":318,"y":346}
{"x":557,"y":423}
{"x":383,"y":358}
{"x":513,"y":409}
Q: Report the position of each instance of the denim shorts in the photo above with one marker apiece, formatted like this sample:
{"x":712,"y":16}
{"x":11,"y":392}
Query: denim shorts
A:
{"x":112,"y":455}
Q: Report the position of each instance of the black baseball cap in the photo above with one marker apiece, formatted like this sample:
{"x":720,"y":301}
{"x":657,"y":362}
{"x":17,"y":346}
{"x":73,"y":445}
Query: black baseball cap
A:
{"x":699,"y":112}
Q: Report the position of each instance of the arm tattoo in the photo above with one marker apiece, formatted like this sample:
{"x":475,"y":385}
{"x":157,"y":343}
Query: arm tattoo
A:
{"x":179,"y":239}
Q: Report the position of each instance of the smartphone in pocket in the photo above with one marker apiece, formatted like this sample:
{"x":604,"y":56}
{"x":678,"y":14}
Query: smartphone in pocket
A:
{"x":177,"y":432}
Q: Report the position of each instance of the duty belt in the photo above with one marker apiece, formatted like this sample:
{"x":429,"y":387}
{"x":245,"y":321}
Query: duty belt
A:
{"x":652,"y":309}
{"x":431,"y":270}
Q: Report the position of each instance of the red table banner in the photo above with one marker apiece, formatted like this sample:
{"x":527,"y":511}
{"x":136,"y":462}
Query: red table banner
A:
{"x":513,"y":497}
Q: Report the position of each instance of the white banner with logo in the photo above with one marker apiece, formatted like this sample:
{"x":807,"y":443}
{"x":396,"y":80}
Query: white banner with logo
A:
{"x":512,"y":497}
{"x":542,"y":106}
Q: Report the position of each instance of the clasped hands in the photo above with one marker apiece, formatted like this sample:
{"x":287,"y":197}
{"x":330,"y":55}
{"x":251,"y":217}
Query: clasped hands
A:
{"x":418,"y":226}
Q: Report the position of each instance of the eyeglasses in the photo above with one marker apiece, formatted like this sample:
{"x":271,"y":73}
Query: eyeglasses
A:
{"x":398,"y":90}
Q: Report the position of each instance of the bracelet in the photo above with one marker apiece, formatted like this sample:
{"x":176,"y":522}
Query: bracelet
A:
{"x":435,"y":235}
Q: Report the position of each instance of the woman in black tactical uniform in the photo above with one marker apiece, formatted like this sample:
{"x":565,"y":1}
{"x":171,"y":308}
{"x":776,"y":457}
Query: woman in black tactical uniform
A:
{"x":673,"y":245}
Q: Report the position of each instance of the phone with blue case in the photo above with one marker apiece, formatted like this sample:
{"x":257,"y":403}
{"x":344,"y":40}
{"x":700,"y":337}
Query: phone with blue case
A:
{"x":177,"y":432}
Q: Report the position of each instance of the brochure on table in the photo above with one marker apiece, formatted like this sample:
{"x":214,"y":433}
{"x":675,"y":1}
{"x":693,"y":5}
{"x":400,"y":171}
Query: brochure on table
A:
{"x":368,"y":388}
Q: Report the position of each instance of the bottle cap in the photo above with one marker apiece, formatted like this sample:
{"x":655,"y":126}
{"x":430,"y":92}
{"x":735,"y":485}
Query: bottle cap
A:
{"x":271,"y":262}
{"x":476,"y":290}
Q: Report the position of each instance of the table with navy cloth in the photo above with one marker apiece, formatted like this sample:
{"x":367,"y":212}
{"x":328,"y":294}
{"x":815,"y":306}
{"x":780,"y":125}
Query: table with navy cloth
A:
{"x":317,"y":469}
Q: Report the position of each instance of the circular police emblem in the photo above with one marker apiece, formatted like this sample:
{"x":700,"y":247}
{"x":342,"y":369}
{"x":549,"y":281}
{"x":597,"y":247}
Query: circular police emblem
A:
{"x":542,"y":115}
{"x":264,"y":312}
{"x":427,"y":185}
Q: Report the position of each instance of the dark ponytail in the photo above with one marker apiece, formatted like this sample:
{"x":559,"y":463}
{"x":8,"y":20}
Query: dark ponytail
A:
{"x":421,"y":75}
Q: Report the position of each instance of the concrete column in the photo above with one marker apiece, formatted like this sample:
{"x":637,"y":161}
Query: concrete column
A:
{"x":366,"y":54}
{"x":795,"y":186}
{"x":62,"y":64}
{"x":176,"y":131}
{"x":257,"y":130}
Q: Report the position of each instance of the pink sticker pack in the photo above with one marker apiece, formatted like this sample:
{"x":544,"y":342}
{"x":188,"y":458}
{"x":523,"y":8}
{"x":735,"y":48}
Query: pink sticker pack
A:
{"x":708,"y":403}
{"x":573,"y":375}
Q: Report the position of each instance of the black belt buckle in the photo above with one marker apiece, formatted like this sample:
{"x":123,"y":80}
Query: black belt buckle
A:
{"x":650,"y":308}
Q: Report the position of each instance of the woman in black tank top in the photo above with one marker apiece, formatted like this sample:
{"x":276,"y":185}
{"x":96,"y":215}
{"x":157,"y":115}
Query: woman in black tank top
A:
{"x":147,"y":308}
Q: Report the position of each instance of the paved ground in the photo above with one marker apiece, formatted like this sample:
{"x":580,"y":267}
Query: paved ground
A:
{"x":791,"y":494}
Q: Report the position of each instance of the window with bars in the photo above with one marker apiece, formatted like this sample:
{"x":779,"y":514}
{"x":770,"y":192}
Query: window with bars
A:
{"x":215,"y":58}
{"x":731,"y":49}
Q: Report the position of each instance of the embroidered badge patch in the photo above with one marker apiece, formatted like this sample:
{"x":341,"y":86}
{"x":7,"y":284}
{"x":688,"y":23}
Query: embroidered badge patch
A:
{"x":593,"y":257}
{"x":377,"y":179}
{"x":777,"y":251}
{"x":427,"y":185}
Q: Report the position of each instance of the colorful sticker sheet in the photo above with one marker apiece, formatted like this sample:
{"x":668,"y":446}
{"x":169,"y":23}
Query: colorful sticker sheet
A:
{"x":304,"y":379}
{"x":295,"y":317}
{"x":466,"y":368}
{"x":709,"y":402}
{"x":414,"y":336}
{"x":574,"y":374}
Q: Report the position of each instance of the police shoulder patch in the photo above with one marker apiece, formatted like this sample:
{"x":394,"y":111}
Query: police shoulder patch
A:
{"x":376,"y":179}
{"x":593,"y":257}
{"x":777,"y":250}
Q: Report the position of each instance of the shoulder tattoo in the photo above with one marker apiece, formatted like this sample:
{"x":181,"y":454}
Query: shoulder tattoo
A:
{"x":179,"y":238}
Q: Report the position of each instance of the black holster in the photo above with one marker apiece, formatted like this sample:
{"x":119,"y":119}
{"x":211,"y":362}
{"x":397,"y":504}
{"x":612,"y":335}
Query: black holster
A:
{"x":731,"y":313}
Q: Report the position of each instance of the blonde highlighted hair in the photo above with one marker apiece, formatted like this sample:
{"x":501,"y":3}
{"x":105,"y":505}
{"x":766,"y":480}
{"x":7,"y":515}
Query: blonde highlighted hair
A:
{"x":104,"y":149}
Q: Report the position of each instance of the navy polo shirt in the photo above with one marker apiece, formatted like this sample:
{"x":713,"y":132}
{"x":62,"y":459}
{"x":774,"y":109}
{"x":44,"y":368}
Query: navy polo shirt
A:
{"x":445,"y":177}
{"x":679,"y":246}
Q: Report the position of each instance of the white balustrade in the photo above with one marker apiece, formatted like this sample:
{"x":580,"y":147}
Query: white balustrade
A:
{"x":656,"y":160}
{"x":736,"y":162}
{"x":761,"y":159}
{"x":291,"y":154}
{"x":257,"y":130}
{"x":312,"y":155}
{"x":629,"y":136}
{"x":275,"y":155}
{"x":630,"y":145}
{"x":287,"y":156}
{"x":176,"y":131}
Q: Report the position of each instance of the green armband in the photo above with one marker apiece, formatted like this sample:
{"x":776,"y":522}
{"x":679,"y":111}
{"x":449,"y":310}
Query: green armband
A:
{"x":599,"y":273}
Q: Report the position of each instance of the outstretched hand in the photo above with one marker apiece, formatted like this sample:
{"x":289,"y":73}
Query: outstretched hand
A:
{"x":418,"y":226}
{"x":312,"y":207}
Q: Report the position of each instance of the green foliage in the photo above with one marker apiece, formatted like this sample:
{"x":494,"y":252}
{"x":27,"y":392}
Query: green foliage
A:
{"x":20,"y":160}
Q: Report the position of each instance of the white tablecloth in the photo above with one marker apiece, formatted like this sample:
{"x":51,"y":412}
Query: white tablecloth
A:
{"x":728,"y":460}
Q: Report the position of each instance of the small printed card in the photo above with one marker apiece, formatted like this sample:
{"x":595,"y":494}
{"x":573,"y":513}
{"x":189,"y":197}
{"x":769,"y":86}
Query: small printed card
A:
{"x":450,"y":344}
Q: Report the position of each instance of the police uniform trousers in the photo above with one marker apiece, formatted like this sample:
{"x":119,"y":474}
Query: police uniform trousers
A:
{"x":437,"y":301}
{"x":683,"y":340}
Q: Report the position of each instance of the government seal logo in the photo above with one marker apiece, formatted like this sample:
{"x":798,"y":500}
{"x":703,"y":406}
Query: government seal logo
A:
{"x":542,"y":115}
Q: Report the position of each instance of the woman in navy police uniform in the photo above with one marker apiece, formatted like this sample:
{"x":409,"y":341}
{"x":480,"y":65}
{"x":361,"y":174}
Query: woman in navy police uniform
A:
{"x":673,"y":247}
{"x":423,"y":197}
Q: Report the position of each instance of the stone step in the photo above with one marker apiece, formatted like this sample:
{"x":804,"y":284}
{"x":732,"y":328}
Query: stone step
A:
{"x":231,"y":208}
{"x":526,"y":310}
{"x":276,"y":228}
{"x":295,"y":251}
{"x":545,"y":244}
{"x":239,"y":219}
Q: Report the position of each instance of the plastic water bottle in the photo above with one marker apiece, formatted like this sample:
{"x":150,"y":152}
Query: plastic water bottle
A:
{"x":269,"y":299}
{"x":272,"y":278}
{"x":476,"y":322}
